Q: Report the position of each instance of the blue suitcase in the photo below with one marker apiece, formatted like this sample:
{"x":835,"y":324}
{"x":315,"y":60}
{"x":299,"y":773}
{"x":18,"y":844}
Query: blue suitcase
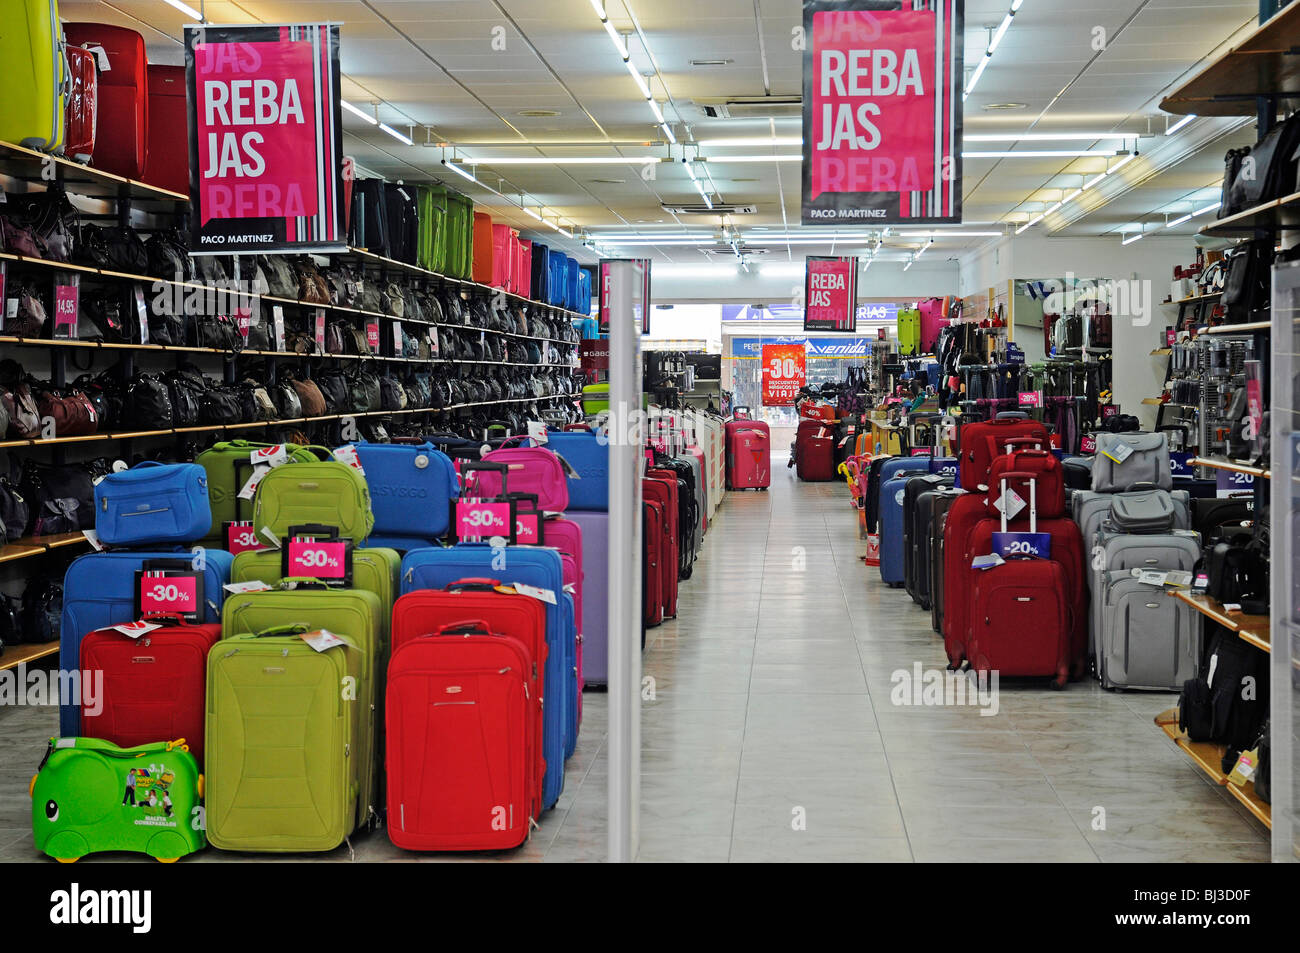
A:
{"x":411,"y":488}
{"x":587,"y":328}
{"x":533,"y":566}
{"x":559,"y":278}
{"x":153,"y":504}
{"x":572,"y":290}
{"x":584,"y":291}
{"x":540,"y":286}
{"x":399,"y":542}
{"x":589,"y":456}
{"x":891,"y":521}
{"x":99,"y":590}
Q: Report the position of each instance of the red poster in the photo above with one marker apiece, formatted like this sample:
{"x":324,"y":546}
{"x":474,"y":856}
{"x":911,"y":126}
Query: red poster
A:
{"x":830,"y":294}
{"x":882,"y":111}
{"x":784,"y":372}
{"x":640,"y":302}
{"x":266,"y":170}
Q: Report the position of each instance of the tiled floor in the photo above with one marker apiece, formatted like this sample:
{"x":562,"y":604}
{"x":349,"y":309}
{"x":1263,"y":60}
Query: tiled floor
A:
{"x":771,"y":735}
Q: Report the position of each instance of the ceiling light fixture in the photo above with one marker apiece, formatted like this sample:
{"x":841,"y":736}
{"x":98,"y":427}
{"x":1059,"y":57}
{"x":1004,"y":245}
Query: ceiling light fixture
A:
{"x":358,"y":112}
{"x":404,"y":140}
{"x":569,"y":160}
{"x":753,"y":141}
{"x":1040,"y":153}
{"x":1179,"y":221}
{"x":625,"y":54}
{"x":531,"y":214}
{"x":1043,"y":136}
{"x":554,"y":225}
{"x":998,"y":34}
{"x":185,"y":9}
{"x":1131,"y":239}
{"x":1208,"y":208}
{"x":1179,"y":124}
{"x":461,"y":172}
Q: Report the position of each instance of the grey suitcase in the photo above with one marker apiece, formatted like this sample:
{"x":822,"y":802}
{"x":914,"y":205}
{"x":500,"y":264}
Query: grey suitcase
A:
{"x":701,"y":495}
{"x":1092,"y":509}
{"x":1144,"y":511}
{"x":1149,"y":640}
{"x":1146,"y":464}
{"x":1124,"y":552}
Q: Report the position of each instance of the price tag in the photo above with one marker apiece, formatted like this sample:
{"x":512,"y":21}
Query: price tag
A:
{"x":321,"y":640}
{"x":134,"y":629}
{"x":1150,"y":577}
{"x":320,"y":330}
{"x":1031,"y":398}
{"x":535,"y":592}
{"x":253,"y":585}
{"x":398,"y":345}
{"x":433,"y":343}
{"x":11,"y":309}
{"x":1109,"y":410}
{"x":325,"y":559}
{"x":348,"y":454}
{"x":1171,"y":337}
{"x":1087,"y":444}
{"x":537,"y":431}
{"x":65,"y":310}
{"x":372,"y":335}
{"x":93,"y":538}
{"x":167,"y":591}
{"x":244,"y":321}
{"x":141,"y":315}
{"x":1230,"y":482}
{"x":1015,"y":503}
{"x":528,"y":531}
{"x":269,"y":456}
{"x":241,"y":537}
{"x":987,"y":562}
{"x":249,"y":489}
{"x":477,"y":519}
{"x":920,"y":451}
{"x":277,"y":325}
{"x":1023,"y":545}
{"x":1180,"y":464}
{"x":1119,"y":453}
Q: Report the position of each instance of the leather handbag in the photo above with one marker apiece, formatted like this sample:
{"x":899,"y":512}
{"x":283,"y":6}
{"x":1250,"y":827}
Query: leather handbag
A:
{"x":72,"y":412}
{"x":287,"y":404}
{"x":310,"y":397}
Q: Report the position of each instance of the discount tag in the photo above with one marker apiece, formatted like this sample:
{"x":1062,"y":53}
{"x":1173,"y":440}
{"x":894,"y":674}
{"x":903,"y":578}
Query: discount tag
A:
{"x":241,"y":537}
{"x":478,"y":519}
{"x":317,"y":558}
{"x":1023,"y":545}
{"x":167,"y":592}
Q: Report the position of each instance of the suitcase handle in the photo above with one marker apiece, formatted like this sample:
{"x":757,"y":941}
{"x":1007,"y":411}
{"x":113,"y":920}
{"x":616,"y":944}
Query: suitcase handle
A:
{"x":463,"y":627}
{"x":287,"y":628}
{"x":525,"y":498}
{"x":1032,"y":479}
{"x":1017,"y":441}
{"x":315,"y":529}
{"x":173,"y":617}
{"x":1012,"y":415}
{"x":474,"y":584}
{"x":301,"y":582}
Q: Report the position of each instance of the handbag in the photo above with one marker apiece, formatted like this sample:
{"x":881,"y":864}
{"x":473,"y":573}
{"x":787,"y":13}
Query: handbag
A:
{"x":1246,"y":291}
{"x":221,"y":405}
{"x":168,"y":258}
{"x":125,"y":251}
{"x":147,"y":403}
{"x":287,"y":404}
{"x":280,"y":278}
{"x":312,"y":287}
{"x":42,"y":610}
{"x":73,"y":413}
{"x":310,"y":397}
{"x":14,"y":514}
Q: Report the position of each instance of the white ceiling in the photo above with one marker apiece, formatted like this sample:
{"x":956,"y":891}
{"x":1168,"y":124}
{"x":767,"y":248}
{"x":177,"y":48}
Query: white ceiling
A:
{"x":433,"y":63}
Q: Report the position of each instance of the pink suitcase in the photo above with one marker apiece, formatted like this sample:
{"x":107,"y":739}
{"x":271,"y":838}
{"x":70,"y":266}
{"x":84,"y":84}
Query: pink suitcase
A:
{"x":79,"y":105}
{"x":503,"y":256}
{"x":749,"y":455}
{"x":533,"y":470}
{"x":566,"y":536}
{"x":522,"y":277}
{"x":932,"y":321}
{"x":122,"y":97}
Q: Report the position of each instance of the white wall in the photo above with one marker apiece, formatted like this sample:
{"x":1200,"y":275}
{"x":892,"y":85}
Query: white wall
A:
{"x":783,"y":282}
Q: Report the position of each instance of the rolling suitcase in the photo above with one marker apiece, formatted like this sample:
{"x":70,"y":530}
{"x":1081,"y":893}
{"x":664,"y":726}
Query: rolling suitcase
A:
{"x":540,"y":265}
{"x":504,"y":239}
{"x":918,"y":520}
{"x":80,"y":105}
{"x":660,"y":486}
{"x":749,"y":455}
{"x":559,"y":278}
{"x":932,"y":322}
{"x":652,"y":587}
{"x":909,"y":331}
{"x":594,"y":527}
{"x":814,"y":454}
{"x":355,"y":614}
{"x":964,"y":514}
{"x":154,"y":684}
{"x":431,"y":250}
{"x":572,"y":291}
{"x":460,"y":235}
{"x":1020,"y":613}
{"x":326,"y":492}
{"x":695,"y":461}
{"x":588,"y":455}
{"x":281,"y":772}
{"x":412,"y":488}
{"x":462,"y":709}
{"x":484,"y":249}
{"x":941,"y":503}
{"x":892,"y":543}
{"x":1146,"y":462}
{"x":370,"y":217}
{"x":523,"y":267}
{"x":531,"y":566}
{"x":31,"y":48}
{"x":168,"y":151}
{"x":228,"y":464}
{"x":99,"y":589}
{"x":1216,"y":519}
{"x":122,"y":97}
{"x":403,"y":223}
{"x":433,"y":612}
{"x":979,"y":442}
{"x":595,"y":398}
{"x":566,"y":536}
{"x":584,"y":291}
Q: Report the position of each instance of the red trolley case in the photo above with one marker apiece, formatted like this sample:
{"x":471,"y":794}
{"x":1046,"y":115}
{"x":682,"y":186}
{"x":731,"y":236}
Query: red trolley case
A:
{"x":169,"y":154}
{"x":653,"y":537}
{"x":1020,"y":612}
{"x":155,"y":686}
{"x":749,"y":455}
{"x":122,"y":97}
{"x":980,"y":442}
{"x":80,"y":105}
{"x":815,"y":451}
{"x":661,"y":487}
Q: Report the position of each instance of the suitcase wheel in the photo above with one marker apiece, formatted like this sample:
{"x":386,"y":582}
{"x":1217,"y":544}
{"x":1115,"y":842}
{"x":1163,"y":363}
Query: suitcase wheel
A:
{"x":166,"y":860}
{"x":67,"y":860}
{"x":1058,"y":683}
{"x":199,"y":787}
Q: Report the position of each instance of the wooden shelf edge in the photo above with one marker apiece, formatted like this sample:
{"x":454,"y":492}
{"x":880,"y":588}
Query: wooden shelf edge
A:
{"x":1216,"y":464}
{"x":1248,"y":627}
{"x":15,"y":655}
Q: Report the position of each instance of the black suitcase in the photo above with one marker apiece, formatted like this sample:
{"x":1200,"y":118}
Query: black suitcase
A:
{"x":689,"y":532}
{"x":541,"y":279}
{"x":873,"y":494}
{"x":1215,"y":518}
{"x":370,"y":221}
{"x":403,"y":223}
{"x":916,"y":530}
{"x":938,"y":519}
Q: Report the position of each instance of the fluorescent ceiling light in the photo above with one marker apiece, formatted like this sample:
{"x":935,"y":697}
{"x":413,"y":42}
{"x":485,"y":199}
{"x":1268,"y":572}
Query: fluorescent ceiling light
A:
{"x":599,"y":7}
{"x":529,"y":212}
{"x":753,"y":141}
{"x":358,"y":112}
{"x":668,"y":132}
{"x":566,"y":234}
{"x":640,"y":80}
{"x":1043,"y":136}
{"x":1000,"y":33}
{"x":1039,"y":154}
{"x":1179,"y":221}
{"x":993,"y":45}
{"x":1179,"y":125}
{"x":459,"y":171}
{"x":654,"y":108}
{"x":714,"y":270}
{"x":395,"y":134}
{"x":185,"y":9}
{"x":618,"y":40}
{"x":1132,"y":238}
{"x":909,"y":263}
{"x":666,"y":242}
{"x":1121,"y":163}
{"x":1208,"y":208}
{"x":1072,"y":196}
{"x":975,"y":78}
{"x":550,"y":160}
{"x":751,"y":158}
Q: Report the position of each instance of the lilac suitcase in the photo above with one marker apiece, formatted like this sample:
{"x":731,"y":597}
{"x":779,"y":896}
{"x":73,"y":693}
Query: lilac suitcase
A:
{"x":595,"y":590}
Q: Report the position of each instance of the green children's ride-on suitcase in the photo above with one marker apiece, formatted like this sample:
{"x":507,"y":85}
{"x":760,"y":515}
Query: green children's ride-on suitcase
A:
{"x":90,"y":795}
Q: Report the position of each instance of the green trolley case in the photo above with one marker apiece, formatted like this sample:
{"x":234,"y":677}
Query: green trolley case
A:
{"x":327,"y":492}
{"x":229,"y":465}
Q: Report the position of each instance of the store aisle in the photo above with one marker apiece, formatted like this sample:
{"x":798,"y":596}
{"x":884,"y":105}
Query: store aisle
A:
{"x":772,"y":711}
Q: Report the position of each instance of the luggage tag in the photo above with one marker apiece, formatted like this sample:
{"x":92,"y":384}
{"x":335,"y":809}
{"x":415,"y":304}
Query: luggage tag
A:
{"x":269,"y":456}
{"x":321,"y":640}
{"x":267,"y":534}
{"x":1119,"y":453}
{"x":239,"y":588}
{"x":348,"y":454}
{"x":537,"y":432}
{"x":133,"y":629}
{"x":1016,"y":504}
{"x":1149,"y":577}
{"x":93,"y":538}
{"x":1245,"y":767}
{"x":241,"y":536}
{"x":987,"y":562}
{"x":169,"y":591}
{"x":317,"y":552}
{"x":249,"y":489}
{"x":535,"y":592}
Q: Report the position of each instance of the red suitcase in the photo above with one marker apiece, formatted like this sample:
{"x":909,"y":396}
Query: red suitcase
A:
{"x":442,"y":659}
{"x":814,"y":451}
{"x":168,"y":150}
{"x":122,"y":100}
{"x":965,"y":513}
{"x":749,"y":455}
{"x":566,"y":536}
{"x":79,"y":105}
{"x":979,"y":443}
{"x":1048,"y":479}
{"x":1020,"y":611}
{"x":523,"y":270}
{"x":652,"y":596}
{"x":462,"y":712}
{"x":661,"y":486}
{"x":155,"y":686}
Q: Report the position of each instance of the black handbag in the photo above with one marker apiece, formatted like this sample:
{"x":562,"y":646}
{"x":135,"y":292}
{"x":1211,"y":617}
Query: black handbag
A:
{"x":334,"y":388}
{"x":392,"y":396}
{"x":105,"y":312}
{"x":41,"y":484}
{"x":42,"y":610}
{"x":281,"y":281}
{"x":287,"y":404}
{"x":221,"y":405}
{"x":168,"y":258}
{"x":1267,"y":170}
{"x":125,"y":252}
{"x":14,"y":514}
{"x":147,"y":404}
{"x":1246,"y":291}
{"x":364,"y":391}
{"x":217,"y":331}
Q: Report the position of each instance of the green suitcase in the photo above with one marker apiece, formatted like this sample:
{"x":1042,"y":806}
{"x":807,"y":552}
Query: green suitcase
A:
{"x":90,"y":795}
{"x":432,"y":201}
{"x":327,"y":491}
{"x":281,"y":742}
{"x":460,"y":235}
{"x":31,"y":49}
{"x":228,"y":465}
{"x":909,"y":331}
{"x":354,"y":614}
{"x":595,"y":398}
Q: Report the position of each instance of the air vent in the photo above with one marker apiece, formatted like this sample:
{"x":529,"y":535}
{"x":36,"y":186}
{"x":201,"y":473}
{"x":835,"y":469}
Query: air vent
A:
{"x":722,"y":248}
{"x":712,"y":62}
{"x":537,"y":113}
{"x":719,"y":208}
{"x":751,"y":107}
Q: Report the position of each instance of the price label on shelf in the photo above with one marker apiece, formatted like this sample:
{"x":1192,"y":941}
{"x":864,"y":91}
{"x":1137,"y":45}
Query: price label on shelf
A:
{"x":65,"y":310}
{"x":372,"y":336}
{"x":1232,"y":483}
{"x":1180,"y":464}
{"x":320,"y":330}
{"x":528,"y":529}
